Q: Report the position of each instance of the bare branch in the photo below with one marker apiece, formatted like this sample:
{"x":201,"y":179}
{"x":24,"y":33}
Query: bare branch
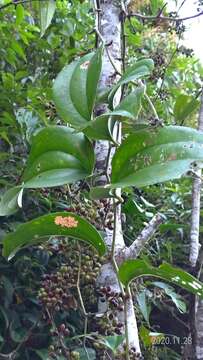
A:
{"x":12,"y":355}
{"x":163,"y":18}
{"x":195,"y":217}
{"x":146,"y":234}
{"x":17,"y":3}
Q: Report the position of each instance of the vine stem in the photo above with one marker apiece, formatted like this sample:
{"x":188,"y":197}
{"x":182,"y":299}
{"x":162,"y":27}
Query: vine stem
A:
{"x":17,"y":3}
{"x":82,"y":303}
{"x":115,"y":266}
{"x":151,"y":106}
{"x":163,"y":18}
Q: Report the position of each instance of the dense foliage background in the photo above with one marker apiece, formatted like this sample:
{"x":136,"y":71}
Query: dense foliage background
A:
{"x":28,"y":283}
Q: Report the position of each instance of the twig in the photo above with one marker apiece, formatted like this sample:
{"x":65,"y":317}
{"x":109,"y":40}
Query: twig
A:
{"x":115,"y":266}
{"x":133,"y":250}
{"x":82,"y":304}
{"x":151,"y":106}
{"x":17,"y":3}
{"x":97,"y":11}
{"x":59,"y":339}
{"x":163,"y":18}
{"x":107,"y":51}
{"x":195,"y":217}
{"x":14,"y":353}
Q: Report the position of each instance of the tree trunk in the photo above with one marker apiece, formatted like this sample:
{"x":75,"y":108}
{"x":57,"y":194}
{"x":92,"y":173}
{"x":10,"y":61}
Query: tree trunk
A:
{"x":109,"y":25}
{"x":197,"y":303}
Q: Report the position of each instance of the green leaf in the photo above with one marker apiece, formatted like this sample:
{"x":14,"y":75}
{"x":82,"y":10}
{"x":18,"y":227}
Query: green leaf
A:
{"x":10,"y":201}
{"x":176,"y":298}
{"x":184,"y":106}
{"x":132,"y":269}
{"x":113,"y":342}
{"x":86,"y":354}
{"x":144,"y":306}
{"x":152,"y":156}
{"x":93,"y":75}
{"x":140,"y":69}
{"x":47,"y":10}
{"x":20,"y":13}
{"x":62,"y":98}
{"x":130,"y":106}
{"x":43,"y":354}
{"x":58,"y":156}
{"x":99,"y":192}
{"x":74,"y":89}
{"x":59,"y":223}
{"x":18,"y":49}
{"x":101,"y":128}
{"x":78,"y":83}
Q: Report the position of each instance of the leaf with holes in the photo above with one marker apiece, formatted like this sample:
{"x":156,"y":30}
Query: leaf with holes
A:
{"x":75,"y":87}
{"x":58,"y":156}
{"x":60,"y":224}
{"x":47,"y":10}
{"x":151,"y":156}
{"x":132,"y":269}
{"x":139,"y":70}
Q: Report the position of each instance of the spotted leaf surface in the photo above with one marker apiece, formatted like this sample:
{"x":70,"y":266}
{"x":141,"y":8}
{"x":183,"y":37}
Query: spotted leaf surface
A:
{"x":132,"y":269}
{"x":151,"y":156}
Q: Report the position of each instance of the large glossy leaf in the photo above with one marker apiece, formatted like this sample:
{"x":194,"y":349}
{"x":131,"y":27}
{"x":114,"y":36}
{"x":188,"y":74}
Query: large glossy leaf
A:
{"x":101,"y":128}
{"x":93,"y":75}
{"x":59,"y":223}
{"x":132,"y":269}
{"x":58,"y":156}
{"x":62,"y":98}
{"x":130,"y":106}
{"x":140,"y":69}
{"x":152,"y":156}
{"x":47,"y":10}
{"x":10,"y":201}
{"x":74,"y":89}
{"x":184,"y":106}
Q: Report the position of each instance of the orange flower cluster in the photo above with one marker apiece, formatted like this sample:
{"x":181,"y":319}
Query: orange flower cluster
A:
{"x":67,"y":221}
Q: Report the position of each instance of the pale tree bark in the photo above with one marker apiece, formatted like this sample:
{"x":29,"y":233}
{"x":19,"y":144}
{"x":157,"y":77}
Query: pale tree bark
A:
{"x":108,"y":27}
{"x":197,"y":303}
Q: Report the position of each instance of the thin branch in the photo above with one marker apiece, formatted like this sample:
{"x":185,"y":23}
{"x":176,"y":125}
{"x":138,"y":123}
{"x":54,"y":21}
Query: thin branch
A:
{"x":150,"y":103}
{"x":15,"y":3}
{"x":164,"y":18}
{"x":195,"y":217}
{"x":14,"y":353}
{"x":82,"y":303}
{"x":133,"y":250}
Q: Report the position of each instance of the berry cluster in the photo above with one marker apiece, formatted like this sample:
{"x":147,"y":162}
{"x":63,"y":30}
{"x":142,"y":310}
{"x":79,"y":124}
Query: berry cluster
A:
{"x":186,"y":51}
{"x":58,"y":290}
{"x":98,"y":212}
{"x":133,"y":355}
{"x":109,"y":323}
{"x":160,"y":63}
{"x":58,"y":334}
{"x":50,"y":110}
{"x":54,"y":293}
